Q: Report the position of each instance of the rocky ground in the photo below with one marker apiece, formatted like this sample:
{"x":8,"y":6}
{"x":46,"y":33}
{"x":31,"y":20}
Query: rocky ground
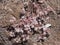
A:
{"x":10,"y":8}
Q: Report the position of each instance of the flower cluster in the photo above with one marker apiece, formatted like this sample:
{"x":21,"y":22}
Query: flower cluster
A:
{"x":31,"y":22}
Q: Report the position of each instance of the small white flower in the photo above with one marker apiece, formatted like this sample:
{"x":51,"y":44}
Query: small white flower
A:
{"x":21,"y":30}
{"x":26,"y":25}
{"x":17,"y":40}
{"x":40,"y":27}
{"x":24,"y":39}
{"x":32,"y":26}
{"x":35,"y":22}
{"x":23,"y":35}
{"x":39,"y":37}
{"x":44,"y":33}
{"x":41,"y":1}
{"x":47,"y":25}
{"x":12,"y":19}
{"x":25,"y":3}
{"x":41,"y":13}
{"x":11,"y":34}
{"x":40,"y":23}
{"x":47,"y":18}
{"x":23,"y":10}
{"x":36,"y":28}
{"x":44,"y":28}
{"x":23,"y":17}
{"x":44,"y":38}
{"x":17,"y":29}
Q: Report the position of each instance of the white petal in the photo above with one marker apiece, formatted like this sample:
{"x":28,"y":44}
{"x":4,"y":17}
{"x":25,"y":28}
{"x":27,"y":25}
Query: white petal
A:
{"x":17,"y":29}
{"x":44,"y":37}
{"x":47,"y":25}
